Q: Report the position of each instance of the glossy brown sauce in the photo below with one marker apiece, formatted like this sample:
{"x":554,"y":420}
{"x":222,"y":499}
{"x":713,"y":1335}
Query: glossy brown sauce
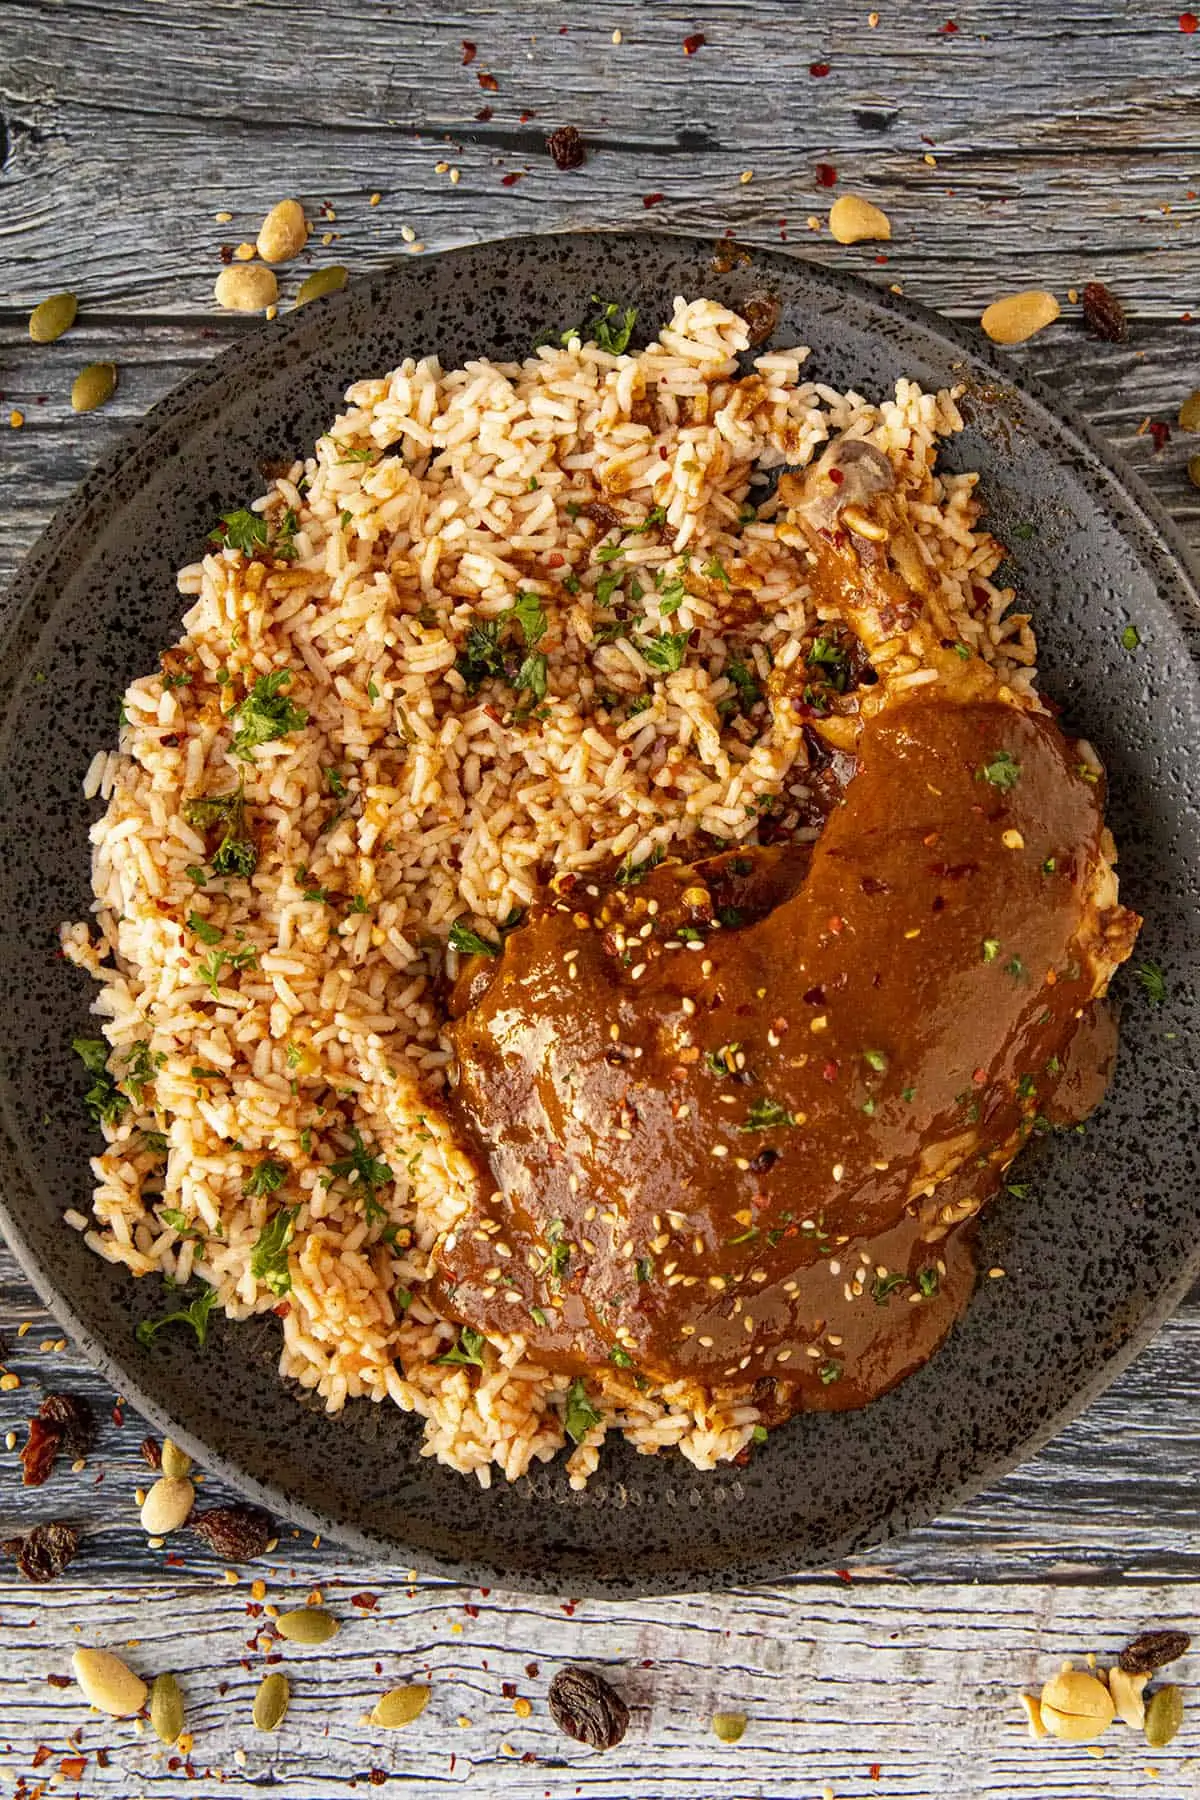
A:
{"x":733,"y":1122}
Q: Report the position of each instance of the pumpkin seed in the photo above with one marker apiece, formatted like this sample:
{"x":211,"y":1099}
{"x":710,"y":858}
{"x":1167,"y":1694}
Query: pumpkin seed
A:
{"x":175,"y":1462}
{"x":307,"y":1625}
{"x":322,"y":282}
{"x":246,"y":287}
{"x":1019,"y":316}
{"x":1189,"y":412}
{"x":283,"y":233}
{"x":166,"y":1708}
{"x":93,"y":386}
{"x":1164,"y":1716}
{"x":399,"y":1706}
{"x":853,"y":220}
{"x":271,"y":1702}
{"x":55,"y":315}
{"x":167,"y":1505}
{"x":109,"y":1684}
{"x":729,"y":1726}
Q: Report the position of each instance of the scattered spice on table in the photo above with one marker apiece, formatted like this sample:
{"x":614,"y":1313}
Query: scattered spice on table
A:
{"x":566,"y":147}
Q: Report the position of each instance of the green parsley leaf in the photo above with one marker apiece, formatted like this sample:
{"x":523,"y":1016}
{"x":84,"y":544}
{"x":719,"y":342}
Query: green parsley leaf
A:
{"x":1130,"y":638}
{"x":630,"y":873}
{"x":195,"y":1315}
{"x":195,"y":872}
{"x":360,"y":1167}
{"x":469,"y":943}
{"x":748,"y":691}
{"x":610,"y":330}
{"x":143,"y":1065}
{"x":829,"y":1372}
{"x":991,"y":949}
{"x":765,"y":1115}
{"x":208,"y":934}
{"x":266,"y":713}
{"x":242,"y":530}
{"x":581,"y":1416}
{"x":1154,"y":982}
{"x":179,"y":1221}
{"x":236,"y":853}
{"x":670,"y":598}
{"x":715,"y":570}
{"x":621,"y":1357}
{"x":104,"y":1100}
{"x":469,"y":1349}
{"x":884,"y":1286}
{"x":1002,"y":771}
{"x":832,"y":660}
{"x":336,"y":783}
{"x":269,"y":1259}
{"x":928,"y":1282}
{"x":665,"y":653}
{"x":266,"y":1178}
{"x":876,"y":1059}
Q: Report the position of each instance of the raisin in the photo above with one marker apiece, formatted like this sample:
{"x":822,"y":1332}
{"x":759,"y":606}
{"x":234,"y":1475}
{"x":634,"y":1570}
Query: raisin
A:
{"x":151,"y":1451}
{"x":44,"y":1552}
{"x":1153,"y":1650}
{"x":235,"y":1533}
{"x":72,"y":1418}
{"x":41,"y":1447}
{"x":1103,"y":313}
{"x":586,"y":1708}
{"x":761,"y":313}
{"x":566,"y":147}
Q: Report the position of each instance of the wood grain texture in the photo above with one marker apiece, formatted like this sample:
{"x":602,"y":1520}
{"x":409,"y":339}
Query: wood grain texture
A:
{"x":1065,"y":146}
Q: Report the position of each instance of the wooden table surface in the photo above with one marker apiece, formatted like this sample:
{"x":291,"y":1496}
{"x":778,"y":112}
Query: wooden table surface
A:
{"x":1014,"y":144}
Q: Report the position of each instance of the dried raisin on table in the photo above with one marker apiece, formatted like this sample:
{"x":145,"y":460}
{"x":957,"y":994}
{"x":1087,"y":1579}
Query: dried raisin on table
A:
{"x":73,"y":1420}
{"x":1152,"y":1650}
{"x":566,"y":147}
{"x":761,"y":313}
{"x":585,"y":1707}
{"x":237,"y":1533}
{"x":1103,"y":313}
{"x":44,"y":1552}
{"x":40,"y":1449}
{"x":151,"y":1451}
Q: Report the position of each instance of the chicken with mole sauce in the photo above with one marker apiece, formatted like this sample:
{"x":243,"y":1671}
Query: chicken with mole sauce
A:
{"x":733,"y":1119}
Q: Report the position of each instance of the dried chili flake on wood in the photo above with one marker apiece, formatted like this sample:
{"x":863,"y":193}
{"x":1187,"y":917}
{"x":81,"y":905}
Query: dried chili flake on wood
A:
{"x":44,"y":1552}
{"x":826,"y":174}
{"x":1160,"y":431}
{"x":586,"y":1708}
{"x":512,"y":178}
{"x":696,"y":42}
{"x":1188,"y":22}
{"x":469,"y":50}
{"x":488,"y":82}
{"x":566,"y":147}
{"x":948,"y":29}
{"x":484,"y":114}
{"x":652,"y":199}
{"x":1103,"y":313}
{"x":819,"y":70}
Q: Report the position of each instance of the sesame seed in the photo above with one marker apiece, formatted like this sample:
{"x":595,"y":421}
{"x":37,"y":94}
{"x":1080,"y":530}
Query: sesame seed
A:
{"x":16,"y":418}
{"x":408,"y":234}
{"x":996,"y":1274}
{"x":716,"y":1281}
{"x":455,"y":177}
{"x":375,"y":199}
{"x":1012,"y":840}
{"x":440,"y":168}
{"x":835,"y":1268}
{"x":223,"y":218}
{"x":706,"y":967}
{"x":745,"y":176}
{"x":813,"y":1350}
{"x":835,"y":1341}
{"x":914,"y":933}
{"x":706,"y":1341}
{"x":839,"y":1169}
{"x":748,"y":1322}
{"x":636,"y":973}
{"x":616,"y":36}
{"x":773,"y":1040}
{"x":819,"y":1023}
{"x":687,"y":1331}
{"x":720,"y":1150}
{"x":687,"y":1006}
{"x":783,"y":1356}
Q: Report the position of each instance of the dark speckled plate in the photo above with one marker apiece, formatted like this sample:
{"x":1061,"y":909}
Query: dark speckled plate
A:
{"x":1100,"y":1244}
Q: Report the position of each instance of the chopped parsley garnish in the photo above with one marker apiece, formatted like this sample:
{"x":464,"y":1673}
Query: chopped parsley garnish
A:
{"x":656,"y":516}
{"x":354,"y":453}
{"x":104,"y":1099}
{"x":1130,"y":638}
{"x":833,"y":661}
{"x":266,"y":1178}
{"x":1015,"y":967}
{"x":1154,"y":982}
{"x":1026,"y":1087}
{"x":909,"y":1094}
{"x":469,"y":943}
{"x":630,"y":873}
{"x":730,"y":916}
{"x":715,"y":570}
{"x":210,"y":969}
{"x":991,"y":949}
{"x":688,"y":934}
{"x":179,"y":1221}
{"x":268,"y":1259}
{"x":765,"y":1115}
{"x":360,"y":1167}
{"x":1049,"y":866}
{"x":195,"y":1315}
{"x":876,"y":1059}
{"x":665,"y":653}
{"x":744,"y":1237}
{"x":671,"y":597}
{"x":884,"y":1286}
{"x":721,"y":1062}
{"x":621,"y":1357}
{"x":1002,"y":771}
{"x":483,"y":656}
{"x":468,"y":1349}
{"x":928,"y":1282}
{"x":236,"y":853}
{"x":284,"y":546}
{"x":610,"y":330}
{"x":538,"y":1316}
{"x":644,"y":1268}
{"x":242,"y":530}
{"x":336,"y":783}
{"x":196,"y":873}
{"x":266,"y":713}
{"x":748,"y":691}
{"x":580,"y":1415}
{"x":208,"y":934}
{"x":829,"y":1372}
{"x":155,"y":1142}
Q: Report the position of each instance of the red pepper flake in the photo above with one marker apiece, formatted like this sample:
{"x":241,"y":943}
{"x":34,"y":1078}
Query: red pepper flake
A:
{"x":1161,"y":433}
{"x":533,"y":1670}
{"x":1188,"y":22}
{"x":508,"y":1689}
{"x":59,"y":1681}
{"x":836,"y":923}
{"x":484,"y":114}
{"x":41,"y":1755}
{"x":820,"y":69}
{"x":830,"y":1071}
{"x":174,"y":1560}
{"x":980,"y":1077}
{"x":837,"y":477}
{"x":468,"y":51}
{"x":368,"y":1602}
{"x":524,"y":118}
{"x":569,"y":1606}
{"x":282,"y":1310}
{"x":844,"y":1575}
{"x":73,"y":1767}
{"x":488,"y":82}
{"x":826,"y":174}
{"x":511,"y":179}
{"x":555,"y":560}
{"x":948,"y":29}
{"x":118,"y":1416}
{"x":453,"y":1754}
{"x":486,"y":1591}
{"x":471,"y":1611}
{"x":377,"y":1777}
{"x":875,"y":1771}
{"x":696,"y":42}
{"x":652,"y":199}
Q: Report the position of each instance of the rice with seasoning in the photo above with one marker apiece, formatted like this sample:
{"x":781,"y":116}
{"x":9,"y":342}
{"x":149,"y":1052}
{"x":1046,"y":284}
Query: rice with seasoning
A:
{"x":276,"y":1030}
